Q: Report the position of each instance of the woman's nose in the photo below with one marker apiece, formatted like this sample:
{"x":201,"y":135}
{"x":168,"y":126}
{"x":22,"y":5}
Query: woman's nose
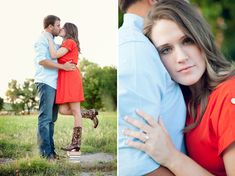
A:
{"x":181,"y":55}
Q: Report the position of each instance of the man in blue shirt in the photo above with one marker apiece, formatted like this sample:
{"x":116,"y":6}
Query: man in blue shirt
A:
{"x":144,"y":84}
{"x":46,"y":73}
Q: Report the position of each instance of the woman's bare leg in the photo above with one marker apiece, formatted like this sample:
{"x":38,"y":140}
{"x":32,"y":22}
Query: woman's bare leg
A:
{"x":64,"y":109}
{"x":91,"y":114}
{"x":76,"y":112}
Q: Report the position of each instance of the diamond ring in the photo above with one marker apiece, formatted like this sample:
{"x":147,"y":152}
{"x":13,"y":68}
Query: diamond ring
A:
{"x":146,"y":138}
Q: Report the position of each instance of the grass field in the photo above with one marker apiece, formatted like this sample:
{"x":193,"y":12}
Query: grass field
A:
{"x":18,"y":143}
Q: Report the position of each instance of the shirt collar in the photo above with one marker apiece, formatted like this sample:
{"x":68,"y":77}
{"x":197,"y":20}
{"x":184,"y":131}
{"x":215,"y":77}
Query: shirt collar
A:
{"x":49,"y":34}
{"x":134,"y":20}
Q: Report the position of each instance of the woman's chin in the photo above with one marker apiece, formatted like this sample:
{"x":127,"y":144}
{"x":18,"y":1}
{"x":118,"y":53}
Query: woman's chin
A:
{"x":187,"y":82}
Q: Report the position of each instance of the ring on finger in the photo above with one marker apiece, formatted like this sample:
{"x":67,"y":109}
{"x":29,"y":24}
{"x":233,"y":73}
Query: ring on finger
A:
{"x":146,"y":137}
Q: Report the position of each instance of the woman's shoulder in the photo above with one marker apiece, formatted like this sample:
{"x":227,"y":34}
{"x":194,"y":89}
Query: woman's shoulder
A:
{"x":223,"y":113}
{"x":69,"y":41}
{"x":222,"y":102}
{"x":226,"y":87}
{"x":228,"y":83}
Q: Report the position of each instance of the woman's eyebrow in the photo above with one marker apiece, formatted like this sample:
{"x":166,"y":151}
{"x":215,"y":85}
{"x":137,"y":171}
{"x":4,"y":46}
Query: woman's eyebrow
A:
{"x":163,"y":45}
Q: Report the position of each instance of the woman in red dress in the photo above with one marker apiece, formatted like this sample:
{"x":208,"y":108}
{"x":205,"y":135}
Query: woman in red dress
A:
{"x":69,"y":92}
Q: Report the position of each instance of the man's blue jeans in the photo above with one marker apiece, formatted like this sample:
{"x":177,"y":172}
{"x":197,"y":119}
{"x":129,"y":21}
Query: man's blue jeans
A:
{"x":48,"y":112}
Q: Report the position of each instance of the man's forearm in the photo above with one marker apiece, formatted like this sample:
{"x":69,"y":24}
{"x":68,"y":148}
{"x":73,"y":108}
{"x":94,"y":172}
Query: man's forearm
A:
{"x":49,"y":64}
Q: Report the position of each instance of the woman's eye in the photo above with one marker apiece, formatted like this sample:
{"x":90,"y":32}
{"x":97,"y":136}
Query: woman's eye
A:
{"x":164,"y":51}
{"x":188,"y":41}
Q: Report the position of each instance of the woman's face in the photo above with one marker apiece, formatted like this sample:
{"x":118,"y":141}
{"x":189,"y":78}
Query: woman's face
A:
{"x":62,"y":32}
{"x":180,"y":55}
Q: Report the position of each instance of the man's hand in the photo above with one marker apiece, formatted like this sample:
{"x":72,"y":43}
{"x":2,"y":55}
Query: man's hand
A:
{"x":68,"y":66}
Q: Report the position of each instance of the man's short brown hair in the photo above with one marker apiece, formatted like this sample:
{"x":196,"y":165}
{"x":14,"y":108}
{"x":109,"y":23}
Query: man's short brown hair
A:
{"x":125,"y":4}
{"x":50,"y":19}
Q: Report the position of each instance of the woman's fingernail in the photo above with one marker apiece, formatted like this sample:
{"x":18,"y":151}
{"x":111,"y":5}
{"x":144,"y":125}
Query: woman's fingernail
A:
{"x":125,"y":118}
{"x":137,"y":110}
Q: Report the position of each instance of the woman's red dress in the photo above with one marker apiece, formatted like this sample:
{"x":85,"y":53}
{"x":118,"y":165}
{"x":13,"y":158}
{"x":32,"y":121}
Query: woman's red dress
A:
{"x":69,"y":84}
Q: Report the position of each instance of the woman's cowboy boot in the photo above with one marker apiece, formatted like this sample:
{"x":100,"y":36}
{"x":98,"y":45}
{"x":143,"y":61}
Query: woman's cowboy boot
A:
{"x":91,"y":114}
{"x":76,"y":140}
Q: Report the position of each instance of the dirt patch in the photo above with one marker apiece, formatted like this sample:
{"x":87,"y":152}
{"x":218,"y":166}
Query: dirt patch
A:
{"x":91,"y":163}
{"x":95,"y":173}
{"x":87,"y":164}
{"x":92,"y":158}
{"x":6,"y":160}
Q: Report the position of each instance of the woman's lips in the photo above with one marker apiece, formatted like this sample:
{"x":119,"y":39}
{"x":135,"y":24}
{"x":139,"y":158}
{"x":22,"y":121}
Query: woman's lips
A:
{"x":185,"y":69}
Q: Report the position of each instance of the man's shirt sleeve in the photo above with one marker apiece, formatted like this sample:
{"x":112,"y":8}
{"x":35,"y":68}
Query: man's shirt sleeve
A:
{"x":41,"y":49}
{"x":141,"y":78}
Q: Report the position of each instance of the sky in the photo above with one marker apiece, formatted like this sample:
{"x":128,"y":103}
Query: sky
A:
{"x":22,"y":23}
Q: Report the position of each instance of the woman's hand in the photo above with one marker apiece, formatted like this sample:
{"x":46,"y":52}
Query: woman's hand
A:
{"x":156,"y":141}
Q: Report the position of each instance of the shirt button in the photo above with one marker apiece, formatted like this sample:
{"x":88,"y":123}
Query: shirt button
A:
{"x":233,"y":100}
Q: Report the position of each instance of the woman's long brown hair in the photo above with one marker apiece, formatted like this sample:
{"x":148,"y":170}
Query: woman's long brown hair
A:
{"x":72,"y":33}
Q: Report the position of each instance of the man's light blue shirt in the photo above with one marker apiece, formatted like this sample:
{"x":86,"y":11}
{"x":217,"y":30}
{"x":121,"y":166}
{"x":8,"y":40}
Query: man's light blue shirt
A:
{"x":144,"y":84}
{"x":43,"y":74}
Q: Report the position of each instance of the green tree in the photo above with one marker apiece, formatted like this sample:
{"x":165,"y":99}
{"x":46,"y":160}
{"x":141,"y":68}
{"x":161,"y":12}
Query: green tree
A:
{"x":120,"y":17}
{"x":91,"y":84}
{"x":109,"y":87}
{"x":22,"y":97}
{"x":220,"y":15}
{"x":28,"y":95}
{"x":1,"y":103}
{"x":13,"y":96}
{"x":100,"y":86}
